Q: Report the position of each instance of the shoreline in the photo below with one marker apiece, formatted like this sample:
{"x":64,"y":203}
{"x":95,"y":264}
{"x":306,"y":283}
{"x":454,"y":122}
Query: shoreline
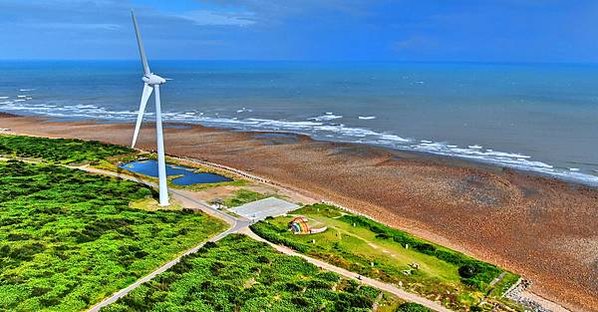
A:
{"x":525,"y":223}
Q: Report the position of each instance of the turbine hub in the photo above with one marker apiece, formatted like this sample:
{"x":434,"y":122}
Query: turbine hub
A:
{"x":153,"y":80}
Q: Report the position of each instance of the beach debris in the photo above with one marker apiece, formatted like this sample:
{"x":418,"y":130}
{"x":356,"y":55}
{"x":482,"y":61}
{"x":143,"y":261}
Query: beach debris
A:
{"x":5,"y":129}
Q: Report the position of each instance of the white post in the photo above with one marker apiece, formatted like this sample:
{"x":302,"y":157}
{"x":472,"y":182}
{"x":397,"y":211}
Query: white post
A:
{"x":163,"y":186}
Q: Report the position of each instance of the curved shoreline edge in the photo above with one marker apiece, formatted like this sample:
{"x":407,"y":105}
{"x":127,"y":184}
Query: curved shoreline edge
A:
{"x":535,"y":226}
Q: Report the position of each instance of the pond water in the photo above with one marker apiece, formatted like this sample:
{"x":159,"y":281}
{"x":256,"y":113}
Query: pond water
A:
{"x":186,"y":175}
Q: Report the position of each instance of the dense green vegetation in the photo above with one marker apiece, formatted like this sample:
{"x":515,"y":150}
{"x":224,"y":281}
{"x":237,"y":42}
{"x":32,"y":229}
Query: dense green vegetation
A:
{"x":240,"y":274}
{"x":69,"y":239}
{"x":412,"y":307}
{"x":64,"y":151}
{"x":370,"y":248}
{"x":241,"y":197}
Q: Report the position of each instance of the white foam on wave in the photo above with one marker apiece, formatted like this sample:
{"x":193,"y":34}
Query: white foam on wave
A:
{"x":244,"y":110}
{"x":84,"y":106}
{"x":366,"y":117}
{"x":321,"y":129}
{"x":326,"y":117}
{"x":26,"y":90}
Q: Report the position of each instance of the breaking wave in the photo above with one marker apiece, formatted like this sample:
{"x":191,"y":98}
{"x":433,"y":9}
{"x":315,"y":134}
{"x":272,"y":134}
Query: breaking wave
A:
{"x":319,"y":127}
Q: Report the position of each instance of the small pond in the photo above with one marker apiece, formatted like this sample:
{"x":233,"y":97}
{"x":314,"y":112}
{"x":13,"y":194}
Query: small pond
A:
{"x":186,"y":175}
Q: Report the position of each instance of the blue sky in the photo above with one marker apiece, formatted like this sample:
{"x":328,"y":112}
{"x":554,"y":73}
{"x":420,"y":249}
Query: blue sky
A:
{"x":405,"y":30}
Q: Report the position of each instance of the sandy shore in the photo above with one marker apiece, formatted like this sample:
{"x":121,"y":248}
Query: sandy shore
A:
{"x":544,"y":229}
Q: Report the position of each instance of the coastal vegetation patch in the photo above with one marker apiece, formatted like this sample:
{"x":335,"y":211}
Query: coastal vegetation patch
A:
{"x":367,"y":247}
{"x":241,"y":274}
{"x":64,"y":151}
{"x":68,"y":238}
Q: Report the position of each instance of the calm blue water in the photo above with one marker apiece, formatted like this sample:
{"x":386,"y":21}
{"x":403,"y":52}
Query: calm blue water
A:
{"x":534,"y":117}
{"x":188,"y":177}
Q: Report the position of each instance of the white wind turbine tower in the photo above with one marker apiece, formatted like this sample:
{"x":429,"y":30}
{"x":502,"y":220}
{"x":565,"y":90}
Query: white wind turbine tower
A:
{"x":151,"y":82}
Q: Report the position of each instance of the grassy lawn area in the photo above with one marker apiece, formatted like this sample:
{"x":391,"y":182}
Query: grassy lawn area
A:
{"x":151,"y":204}
{"x":375,"y":250}
{"x":240,"y":274}
{"x":241,"y":197}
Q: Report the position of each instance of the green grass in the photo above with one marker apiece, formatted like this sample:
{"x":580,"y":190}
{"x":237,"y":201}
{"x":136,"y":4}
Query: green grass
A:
{"x":240,"y":274}
{"x":355,"y":243}
{"x":64,"y":151}
{"x":501,"y":287}
{"x":202,"y":186}
{"x":68,"y":239}
{"x":243,"y":196}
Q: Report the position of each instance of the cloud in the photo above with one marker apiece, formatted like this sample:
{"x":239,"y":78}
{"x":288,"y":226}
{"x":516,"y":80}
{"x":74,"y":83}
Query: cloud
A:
{"x":413,"y":43}
{"x":276,"y":12}
{"x":71,"y":26}
{"x":215,"y":18}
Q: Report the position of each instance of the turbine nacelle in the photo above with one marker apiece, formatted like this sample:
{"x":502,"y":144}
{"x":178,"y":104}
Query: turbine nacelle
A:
{"x":153,"y":79}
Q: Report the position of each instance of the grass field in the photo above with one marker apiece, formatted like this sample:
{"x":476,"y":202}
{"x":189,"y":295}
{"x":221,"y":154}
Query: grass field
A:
{"x":69,"y":239}
{"x":240,"y":274}
{"x":372,"y":249}
{"x":241,"y":197}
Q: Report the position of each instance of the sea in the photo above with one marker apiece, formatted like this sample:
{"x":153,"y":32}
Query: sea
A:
{"x":536,"y":117}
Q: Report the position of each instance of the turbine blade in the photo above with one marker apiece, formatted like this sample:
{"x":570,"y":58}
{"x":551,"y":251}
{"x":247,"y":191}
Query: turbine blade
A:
{"x":147,"y":92}
{"x":146,"y":69}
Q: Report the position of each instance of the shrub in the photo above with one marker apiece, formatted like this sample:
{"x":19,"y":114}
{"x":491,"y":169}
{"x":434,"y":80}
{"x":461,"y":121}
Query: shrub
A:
{"x":467,"y":271}
{"x":412,"y":307}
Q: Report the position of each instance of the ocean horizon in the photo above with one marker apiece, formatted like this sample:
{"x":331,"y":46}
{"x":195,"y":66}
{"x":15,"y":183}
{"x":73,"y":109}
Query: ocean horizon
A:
{"x":536,"y":117}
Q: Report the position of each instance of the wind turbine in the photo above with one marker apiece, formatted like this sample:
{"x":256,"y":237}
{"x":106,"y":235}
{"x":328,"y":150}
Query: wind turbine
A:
{"x":151,"y":82}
